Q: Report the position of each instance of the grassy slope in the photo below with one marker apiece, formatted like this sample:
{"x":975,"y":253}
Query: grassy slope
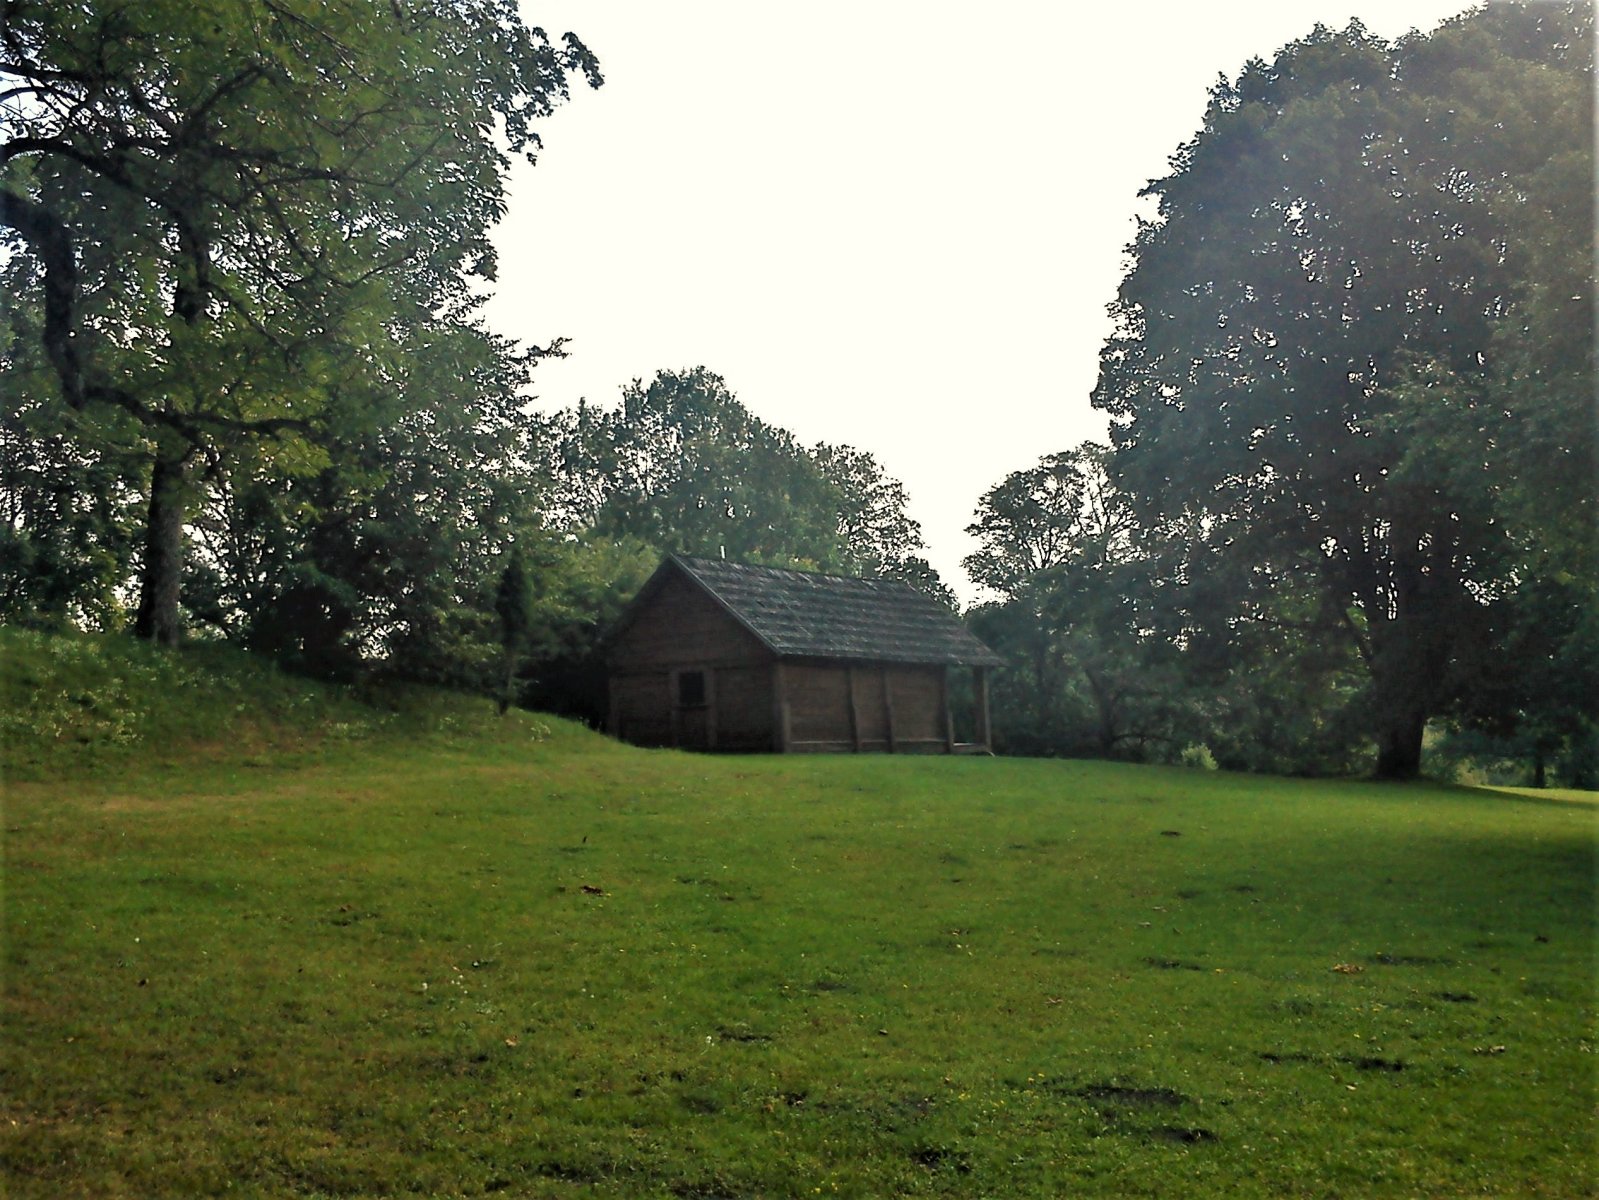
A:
{"x":336,"y":951}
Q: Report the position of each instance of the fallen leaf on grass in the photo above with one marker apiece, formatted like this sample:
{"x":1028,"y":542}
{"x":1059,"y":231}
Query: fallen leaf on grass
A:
{"x":1348,"y":968}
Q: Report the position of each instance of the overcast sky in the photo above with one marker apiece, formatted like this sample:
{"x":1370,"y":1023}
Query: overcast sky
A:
{"x":886,"y":223}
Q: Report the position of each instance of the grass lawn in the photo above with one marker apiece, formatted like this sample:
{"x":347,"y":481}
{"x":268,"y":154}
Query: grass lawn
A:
{"x":368,"y":953}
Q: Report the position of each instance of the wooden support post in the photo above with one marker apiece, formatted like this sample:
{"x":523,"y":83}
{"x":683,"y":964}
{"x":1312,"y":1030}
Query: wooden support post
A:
{"x":949,"y":718}
{"x":710,"y":709}
{"x":854,"y":709}
{"x":780,"y":715}
{"x":888,"y":709}
{"x":984,"y":733}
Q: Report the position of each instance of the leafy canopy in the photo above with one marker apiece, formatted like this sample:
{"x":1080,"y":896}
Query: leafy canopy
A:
{"x":236,"y":218}
{"x":1345,"y":354}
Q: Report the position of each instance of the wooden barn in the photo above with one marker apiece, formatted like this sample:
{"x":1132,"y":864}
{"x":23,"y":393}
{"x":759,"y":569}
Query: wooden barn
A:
{"x":713,"y":655}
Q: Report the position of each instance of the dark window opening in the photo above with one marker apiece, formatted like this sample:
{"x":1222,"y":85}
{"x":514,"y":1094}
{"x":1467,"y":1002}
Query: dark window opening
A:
{"x":691,"y":689}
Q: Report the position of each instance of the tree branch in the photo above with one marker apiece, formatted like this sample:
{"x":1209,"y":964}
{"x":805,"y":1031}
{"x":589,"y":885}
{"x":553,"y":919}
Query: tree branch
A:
{"x":48,"y":236}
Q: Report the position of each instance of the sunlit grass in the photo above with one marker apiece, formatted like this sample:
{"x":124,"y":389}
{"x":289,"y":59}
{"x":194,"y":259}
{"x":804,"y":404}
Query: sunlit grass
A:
{"x":535,"y":963}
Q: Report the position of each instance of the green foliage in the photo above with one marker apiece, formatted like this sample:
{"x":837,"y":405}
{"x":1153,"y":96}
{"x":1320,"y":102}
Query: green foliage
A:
{"x":684,"y":466}
{"x":70,"y":512}
{"x":513,"y":604}
{"x":500,"y":962}
{"x":390,"y":554}
{"x":1335,"y":335}
{"x":1033,"y":522}
{"x":1084,"y":676}
{"x":76,"y":705}
{"x":237,"y":220}
{"x":879,"y":538}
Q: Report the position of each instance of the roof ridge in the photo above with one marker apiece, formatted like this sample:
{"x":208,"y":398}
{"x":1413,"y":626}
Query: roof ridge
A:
{"x":687,"y":559}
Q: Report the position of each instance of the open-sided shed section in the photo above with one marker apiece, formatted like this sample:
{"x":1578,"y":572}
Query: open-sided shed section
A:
{"x":726,"y":656}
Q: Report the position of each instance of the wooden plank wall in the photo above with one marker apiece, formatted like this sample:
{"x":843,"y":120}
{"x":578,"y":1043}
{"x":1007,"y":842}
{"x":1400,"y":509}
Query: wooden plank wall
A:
{"x":818,"y":705}
{"x":872,"y":706}
{"x":743,"y":708}
{"x":683,"y":626}
{"x":865,"y":707}
{"x":918,"y":694}
{"x":684,"y":629}
{"x":641,"y":708}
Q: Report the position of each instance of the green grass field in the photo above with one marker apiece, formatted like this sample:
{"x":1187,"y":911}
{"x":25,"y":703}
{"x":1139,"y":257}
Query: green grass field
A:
{"x":325,"y":949}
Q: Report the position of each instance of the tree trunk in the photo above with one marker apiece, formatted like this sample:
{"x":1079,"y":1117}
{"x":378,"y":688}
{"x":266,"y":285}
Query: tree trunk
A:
{"x":1410,"y":657}
{"x":1399,"y":745}
{"x":1105,"y":712}
{"x":508,"y":687}
{"x":158,"y":618}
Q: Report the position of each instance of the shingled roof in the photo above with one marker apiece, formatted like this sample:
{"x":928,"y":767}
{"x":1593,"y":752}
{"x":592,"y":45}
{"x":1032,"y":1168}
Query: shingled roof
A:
{"x":804,"y":614}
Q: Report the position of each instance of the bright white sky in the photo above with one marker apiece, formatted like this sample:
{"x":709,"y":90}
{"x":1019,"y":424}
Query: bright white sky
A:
{"x":893,"y":224}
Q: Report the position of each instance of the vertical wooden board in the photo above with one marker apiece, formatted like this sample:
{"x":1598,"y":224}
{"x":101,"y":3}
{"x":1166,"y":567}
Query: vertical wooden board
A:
{"x":782,"y":725}
{"x":985,"y":733}
{"x":889,"y":723}
{"x":869,"y":706}
{"x":949,"y":717}
{"x":854,"y":710}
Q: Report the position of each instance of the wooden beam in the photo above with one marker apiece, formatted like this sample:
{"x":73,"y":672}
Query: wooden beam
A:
{"x":780,"y":714}
{"x":710,"y":709}
{"x":854,"y":710}
{"x":949,"y":718}
{"x":888,"y":708}
{"x":985,"y":736}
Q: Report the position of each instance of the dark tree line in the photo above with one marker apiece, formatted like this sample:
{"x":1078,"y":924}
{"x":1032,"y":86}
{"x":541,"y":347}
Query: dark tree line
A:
{"x":1351,"y":400}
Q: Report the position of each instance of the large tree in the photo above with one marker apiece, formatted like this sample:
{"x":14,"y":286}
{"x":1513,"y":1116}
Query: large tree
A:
{"x":1333,"y":355}
{"x":233,"y":216}
{"x":391,"y":550}
{"x":683,"y":465}
{"x":1054,"y":544}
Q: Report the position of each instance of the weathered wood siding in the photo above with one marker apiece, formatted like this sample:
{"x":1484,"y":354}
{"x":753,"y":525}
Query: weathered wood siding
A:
{"x":683,"y":626}
{"x":752,"y":702}
{"x":641,"y":708}
{"x":865,"y":706}
{"x":744,"y":708}
{"x":818,"y":706}
{"x":684,"y":629}
{"x":871,"y":706}
{"x":917,"y":695}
